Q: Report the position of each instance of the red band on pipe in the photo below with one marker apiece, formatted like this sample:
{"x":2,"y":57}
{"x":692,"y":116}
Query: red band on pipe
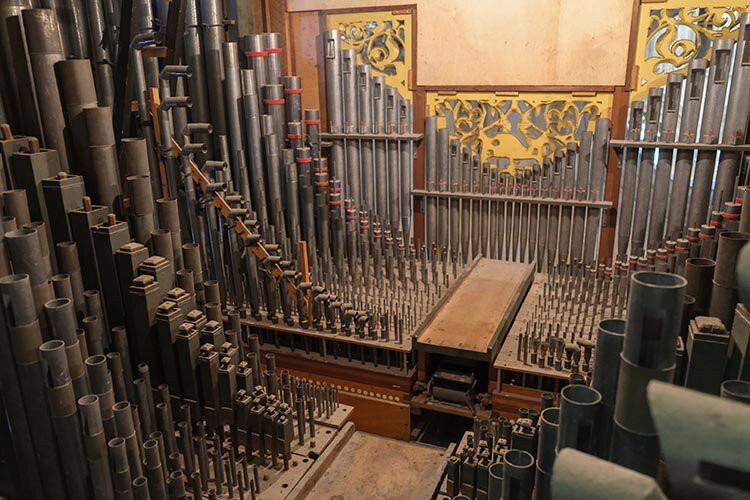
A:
{"x":251,"y":53}
{"x":321,"y":184}
{"x":292,"y":91}
{"x":312,"y":122}
{"x":303,"y":160}
{"x":705,"y":236}
{"x":273,"y":51}
{"x":334,"y":203}
{"x":715,"y":223}
{"x":730,"y":216}
{"x":273,"y":101}
{"x":294,"y":136}
{"x":661,"y":257}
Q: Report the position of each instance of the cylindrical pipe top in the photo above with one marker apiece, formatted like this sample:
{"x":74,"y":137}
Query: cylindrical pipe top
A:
{"x":654,"y":317}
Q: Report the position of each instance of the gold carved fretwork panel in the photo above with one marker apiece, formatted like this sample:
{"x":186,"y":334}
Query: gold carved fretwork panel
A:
{"x":383,"y":40}
{"x":673,"y":33}
{"x":517,"y":131}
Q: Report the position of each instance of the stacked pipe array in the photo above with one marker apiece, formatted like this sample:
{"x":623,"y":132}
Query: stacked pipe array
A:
{"x":372,"y":146}
{"x":548,"y":215}
{"x":674,"y":191}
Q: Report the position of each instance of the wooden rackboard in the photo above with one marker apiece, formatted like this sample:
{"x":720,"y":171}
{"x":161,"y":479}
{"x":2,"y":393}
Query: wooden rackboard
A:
{"x":474,"y":320}
{"x":371,"y":466}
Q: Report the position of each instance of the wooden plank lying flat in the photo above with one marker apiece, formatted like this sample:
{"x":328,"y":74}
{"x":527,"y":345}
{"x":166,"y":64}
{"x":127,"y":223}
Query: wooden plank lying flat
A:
{"x":376,"y":467}
{"x":479,"y":312}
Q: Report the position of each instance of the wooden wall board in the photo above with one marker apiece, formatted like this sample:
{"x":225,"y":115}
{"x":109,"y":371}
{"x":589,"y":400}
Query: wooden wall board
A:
{"x":474,"y":320}
{"x":572,"y":50}
{"x":371,"y":466}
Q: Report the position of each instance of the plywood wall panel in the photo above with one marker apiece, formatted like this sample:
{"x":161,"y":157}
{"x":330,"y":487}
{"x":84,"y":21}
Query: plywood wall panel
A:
{"x":511,"y":43}
{"x":305,"y":29}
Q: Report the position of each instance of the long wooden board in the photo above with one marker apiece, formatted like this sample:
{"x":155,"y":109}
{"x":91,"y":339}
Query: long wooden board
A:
{"x":371,"y":466}
{"x":474,"y":320}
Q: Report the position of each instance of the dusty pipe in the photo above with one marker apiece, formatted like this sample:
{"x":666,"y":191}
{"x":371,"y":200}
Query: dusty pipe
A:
{"x":646,"y":172}
{"x":442,"y":160}
{"x":724,"y":295}
{"x":24,"y":338}
{"x":212,"y":24}
{"x":711,"y":122}
{"x":45,"y":49}
{"x":699,"y":274}
{"x":391,"y":115}
{"x":364,"y":105}
{"x":96,"y":447}
{"x":668,"y":129}
{"x":518,"y":474}
{"x":234,"y":113}
{"x":66,"y":424}
{"x":654,"y":310}
{"x":579,"y":417}
{"x":688,"y":133}
{"x":737,"y":113}
{"x":549,"y":424}
{"x":609,"y":340}
{"x":380,"y":166}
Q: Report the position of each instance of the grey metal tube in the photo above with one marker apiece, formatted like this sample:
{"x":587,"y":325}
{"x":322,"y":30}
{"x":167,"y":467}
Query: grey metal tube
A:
{"x":565,"y":214}
{"x":96,"y":447}
{"x":549,"y":424}
{"x":442,"y":160}
{"x":694,"y":89}
{"x":668,"y":126}
{"x":21,"y":343}
{"x":455,"y":183}
{"x":234,"y":112}
{"x":334,"y":94}
{"x":699,"y":274}
{"x":255,"y":148}
{"x":609,"y":340}
{"x":380,"y":167}
{"x":43,"y":39}
{"x":64,"y":414}
{"x":581,"y":190}
{"x":599,"y":151}
{"x":646,"y":172}
{"x":97,"y":29}
{"x":495,"y":483}
{"x":711,"y":122}
{"x":405,"y":169}
{"x":654,"y":310}
{"x":9,"y":85}
{"x":200,"y":112}
{"x":212,"y":23}
{"x":272,"y":44}
{"x":518,"y":475}
{"x":391,"y":117}
{"x":364,"y":126}
{"x":724,"y":296}
{"x":579,"y":418}
{"x":293,"y":98}
{"x":351,"y":119}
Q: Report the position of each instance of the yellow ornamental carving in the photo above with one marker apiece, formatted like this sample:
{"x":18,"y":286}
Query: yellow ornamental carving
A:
{"x":678,"y":31}
{"x":383,"y":40}
{"x":518,"y":131}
